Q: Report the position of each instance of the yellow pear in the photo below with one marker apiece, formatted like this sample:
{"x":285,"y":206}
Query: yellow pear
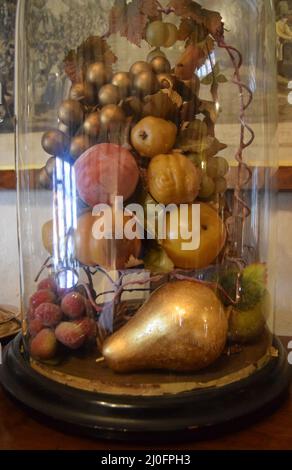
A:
{"x":181,"y":327}
{"x":153,"y":136}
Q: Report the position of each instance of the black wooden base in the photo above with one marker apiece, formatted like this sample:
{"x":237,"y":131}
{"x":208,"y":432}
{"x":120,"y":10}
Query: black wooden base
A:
{"x":144,"y":418}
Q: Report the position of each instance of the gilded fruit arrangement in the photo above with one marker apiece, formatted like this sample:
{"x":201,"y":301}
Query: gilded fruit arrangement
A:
{"x":144,"y":135}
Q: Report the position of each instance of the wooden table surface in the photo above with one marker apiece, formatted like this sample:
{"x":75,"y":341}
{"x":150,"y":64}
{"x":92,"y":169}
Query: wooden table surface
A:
{"x":20,"y":431}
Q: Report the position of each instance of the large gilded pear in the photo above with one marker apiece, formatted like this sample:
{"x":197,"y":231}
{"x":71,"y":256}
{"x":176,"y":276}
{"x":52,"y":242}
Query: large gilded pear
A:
{"x":182,"y":327}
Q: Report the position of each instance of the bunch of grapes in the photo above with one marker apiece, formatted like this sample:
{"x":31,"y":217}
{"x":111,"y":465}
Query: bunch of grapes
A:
{"x":214,"y":170}
{"x":58,"y":318}
{"x":101,"y":106}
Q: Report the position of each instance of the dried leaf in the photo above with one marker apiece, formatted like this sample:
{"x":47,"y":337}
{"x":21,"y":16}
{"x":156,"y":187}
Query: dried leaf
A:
{"x":130,"y":19}
{"x":207,"y":46}
{"x":186,"y":28}
{"x":188,"y":89}
{"x":214,"y":148}
{"x":191,"y":30}
{"x":193,"y":137}
{"x":71,"y":69}
{"x":187,"y":9}
{"x":208,"y":80}
{"x":150,"y":8}
{"x":189,"y":109}
{"x":221,"y":78}
{"x":212,"y":20}
{"x":198,"y":36}
{"x":94,"y":49}
{"x":210,"y":109}
{"x":174,"y":96}
{"x":160,"y":105}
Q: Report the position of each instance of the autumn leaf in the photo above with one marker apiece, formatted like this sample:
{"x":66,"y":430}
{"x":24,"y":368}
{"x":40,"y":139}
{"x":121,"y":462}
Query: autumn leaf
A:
{"x":215,"y":147}
{"x":208,"y":80}
{"x":190,"y":109}
{"x":187,"y":9}
{"x":192,"y":138}
{"x":221,"y":78}
{"x":117,"y":15}
{"x":210,"y":109}
{"x":198,"y":36}
{"x":186,"y":28}
{"x":215,"y":77}
{"x":130,"y":19}
{"x":207,"y":46}
{"x":94,"y":49}
{"x":173,"y":96}
{"x":161,"y":105}
{"x":71,"y":69}
{"x":150,"y":8}
{"x":195,"y":138}
{"x":212,"y":20}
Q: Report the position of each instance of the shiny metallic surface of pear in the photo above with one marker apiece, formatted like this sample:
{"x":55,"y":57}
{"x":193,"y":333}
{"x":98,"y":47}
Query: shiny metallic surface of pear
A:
{"x":181,"y":327}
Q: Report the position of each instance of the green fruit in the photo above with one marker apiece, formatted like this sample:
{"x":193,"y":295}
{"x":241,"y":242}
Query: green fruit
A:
{"x":249,"y":285}
{"x":217,"y":167}
{"x":157,"y":34}
{"x":157,"y":261}
{"x":198,"y":159}
{"x":207,"y":187}
{"x":172,"y":34}
{"x":247,"y":325}
{"x":220,"y":185}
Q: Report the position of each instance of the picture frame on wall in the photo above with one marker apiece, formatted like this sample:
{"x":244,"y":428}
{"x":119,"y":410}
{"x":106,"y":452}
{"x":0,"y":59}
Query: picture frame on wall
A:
{"x":283,"y":9}
{"x":7,"y":42}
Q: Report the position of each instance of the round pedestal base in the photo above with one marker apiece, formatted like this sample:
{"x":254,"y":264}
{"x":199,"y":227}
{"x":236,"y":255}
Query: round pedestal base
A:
{"x":132,"y":417}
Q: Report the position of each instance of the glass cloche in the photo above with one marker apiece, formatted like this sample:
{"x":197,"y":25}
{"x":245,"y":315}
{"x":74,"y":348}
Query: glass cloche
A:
{"x":146,"y":160}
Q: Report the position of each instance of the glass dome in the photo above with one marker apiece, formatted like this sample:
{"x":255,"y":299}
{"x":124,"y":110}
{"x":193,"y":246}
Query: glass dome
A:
{"x":146,"y":154}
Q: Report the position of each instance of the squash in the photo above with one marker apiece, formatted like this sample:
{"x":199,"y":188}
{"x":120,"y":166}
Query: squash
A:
{"x":173,"y":179}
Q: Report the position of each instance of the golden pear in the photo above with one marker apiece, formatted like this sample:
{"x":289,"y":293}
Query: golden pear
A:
{"x":181,"y":327}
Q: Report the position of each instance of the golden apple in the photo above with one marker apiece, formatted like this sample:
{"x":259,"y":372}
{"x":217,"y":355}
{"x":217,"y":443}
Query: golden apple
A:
{"x":212,"y":240}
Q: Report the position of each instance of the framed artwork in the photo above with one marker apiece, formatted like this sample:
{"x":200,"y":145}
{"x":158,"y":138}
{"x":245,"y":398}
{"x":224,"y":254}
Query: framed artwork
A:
{"x":284,"y":59}
{"x":7,"y":28}
{"x":46,"y":48}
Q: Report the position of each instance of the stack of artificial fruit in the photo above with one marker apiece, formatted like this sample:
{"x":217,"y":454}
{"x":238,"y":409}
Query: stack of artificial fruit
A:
{"x":145,"y":135}
{"x":140,"y":134}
